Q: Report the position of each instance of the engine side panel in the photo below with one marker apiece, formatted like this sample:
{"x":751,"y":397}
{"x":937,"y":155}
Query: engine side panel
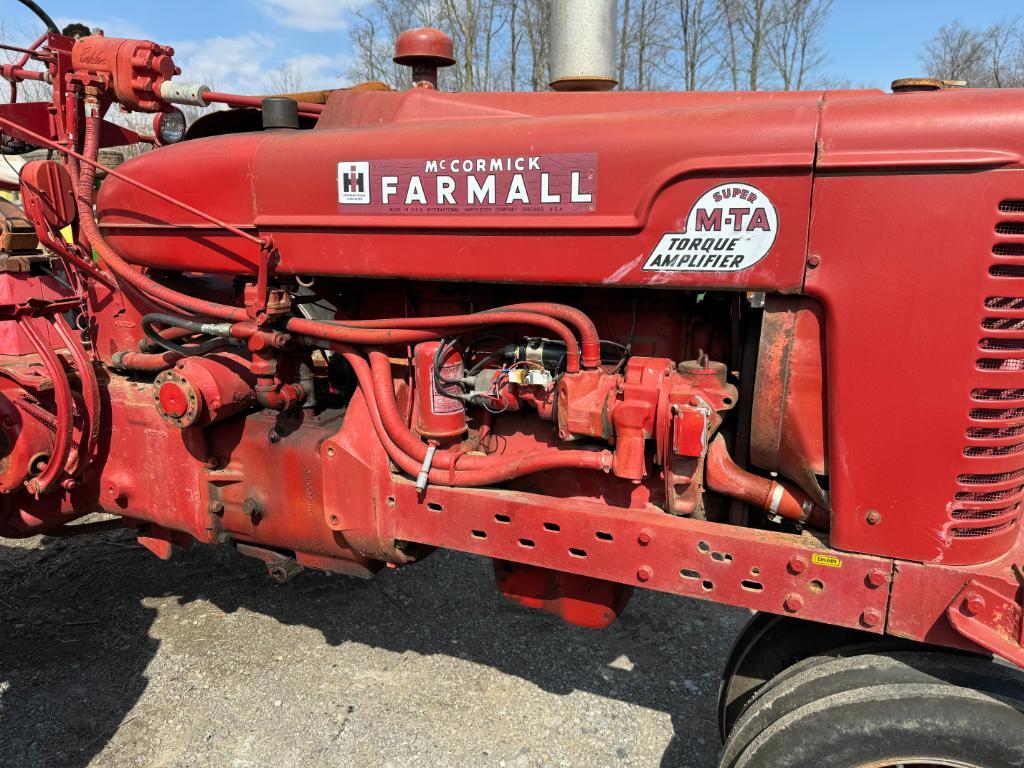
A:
{"x":644,"y":161}
{"x":921,"y":291}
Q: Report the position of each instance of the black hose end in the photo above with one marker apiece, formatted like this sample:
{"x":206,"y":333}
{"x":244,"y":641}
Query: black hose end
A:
{"x":43,"y":15}
{"x":280,"y":112}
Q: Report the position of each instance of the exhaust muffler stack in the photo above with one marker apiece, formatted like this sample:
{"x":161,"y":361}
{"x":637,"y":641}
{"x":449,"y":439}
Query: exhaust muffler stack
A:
{"x":583,"y":45}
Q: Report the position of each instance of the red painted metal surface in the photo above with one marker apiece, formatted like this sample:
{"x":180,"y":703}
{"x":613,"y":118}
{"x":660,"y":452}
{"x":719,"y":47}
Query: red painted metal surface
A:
{"x":640,"y":194}
{"x":529,"y":231}
{"x":788,"y":429}
{"x":907,"y":339}
{"x":133,"y":69}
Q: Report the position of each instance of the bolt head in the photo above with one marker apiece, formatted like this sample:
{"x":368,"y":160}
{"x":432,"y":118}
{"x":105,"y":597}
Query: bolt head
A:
{"x":974,"y":603}
{"x":876,"y":577}
{"x":873,"y":517}
{"x":871,"y":617}
{"x":644,"y":573}
{"x":797,"y":565}
{"x":793,"y":602}
{"x":813,"y":260}
{"x":644,"y":538}
{"x":216,"y":507}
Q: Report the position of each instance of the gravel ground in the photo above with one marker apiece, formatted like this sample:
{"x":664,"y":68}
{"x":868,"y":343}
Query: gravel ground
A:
{"x":110,"y":657}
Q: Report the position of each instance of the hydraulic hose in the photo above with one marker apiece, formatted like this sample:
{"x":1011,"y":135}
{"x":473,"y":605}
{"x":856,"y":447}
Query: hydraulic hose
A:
{"x":589,"y":337}
{"x":490,"y":317}
{"x":383,"y":392}
{"x":119,"y":266}
{"x":346,"y":334}
{"x":221,"y":333}
{"x":725,"y":477}
{"x":145,"y":362}
{"x":62,"y":398}
{"x":90,"y":392}
{"x":170,"y":334}
{"x":501,"y":469}
{"x":43,"y":15}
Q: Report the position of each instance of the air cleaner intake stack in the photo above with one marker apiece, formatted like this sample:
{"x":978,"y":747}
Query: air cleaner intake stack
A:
{"x":583,"y":45}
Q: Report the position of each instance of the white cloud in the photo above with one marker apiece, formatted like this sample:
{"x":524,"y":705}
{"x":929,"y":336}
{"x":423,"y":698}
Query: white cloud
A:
{"x":310,"y":15}
{"x":252,"y":63}
{"x":235,"y":64}
{"x":316,"y":71}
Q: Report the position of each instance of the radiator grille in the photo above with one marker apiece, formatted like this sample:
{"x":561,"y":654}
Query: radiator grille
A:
{"x":1007,"y":270}
{"x":1003,"y":324}
{"x":1010,"y":228}
{"x":1004,"y":302}
{"x":994,"y":433}
{"x":1001,"y":344}
{"x":982,"y":514}
{"x":994,"y":451}
{"x":996,"y":478}
{"x":1001,"y":364}
{"x":989,"y":496}
{"x":991,"y":414}
{"x":1009,"y":249}
{"x":967,"y":533}
{"x":997,"y":394}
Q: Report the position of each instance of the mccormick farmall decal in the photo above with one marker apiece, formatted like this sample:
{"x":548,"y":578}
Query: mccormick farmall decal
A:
{"x":544,"y":184}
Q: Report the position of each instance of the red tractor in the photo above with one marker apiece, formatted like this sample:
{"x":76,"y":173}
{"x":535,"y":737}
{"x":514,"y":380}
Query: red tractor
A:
{"x":763,"y":349}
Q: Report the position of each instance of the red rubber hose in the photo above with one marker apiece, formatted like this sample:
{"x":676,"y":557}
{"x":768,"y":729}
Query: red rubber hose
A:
{"x":591,"y":341}
{"x":490,"y":317}
{"x":725,"y":477}
{"x":500,"y":469}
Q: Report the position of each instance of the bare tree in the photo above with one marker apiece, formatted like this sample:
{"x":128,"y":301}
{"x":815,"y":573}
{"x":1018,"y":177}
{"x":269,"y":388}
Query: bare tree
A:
{"x":755,"y":31}
{"x":537,"y":18}
{"x":986,"y":58}
{"x":648,"y":45}
{"x":957,"y":52}
{"x":286,"y":79}
{"x":515,"y":41}
{"x":1005,"y":43}
{"x":698,"y":19}
{"x":373,"y":36}
{"x":663,"y":44}
{"x":750,"y":23}
{"x":793,"y":42}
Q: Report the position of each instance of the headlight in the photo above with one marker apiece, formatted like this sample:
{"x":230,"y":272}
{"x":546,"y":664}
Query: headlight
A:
{"x":169,"y":127}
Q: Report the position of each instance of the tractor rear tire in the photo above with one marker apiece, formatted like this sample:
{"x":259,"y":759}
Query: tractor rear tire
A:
{"x":884,"y":709}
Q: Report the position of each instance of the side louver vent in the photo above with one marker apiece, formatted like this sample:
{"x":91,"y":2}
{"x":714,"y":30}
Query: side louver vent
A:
{"x":991,"y":489}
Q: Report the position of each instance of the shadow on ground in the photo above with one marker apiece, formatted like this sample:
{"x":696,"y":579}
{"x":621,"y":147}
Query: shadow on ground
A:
{"x":75,"y":639}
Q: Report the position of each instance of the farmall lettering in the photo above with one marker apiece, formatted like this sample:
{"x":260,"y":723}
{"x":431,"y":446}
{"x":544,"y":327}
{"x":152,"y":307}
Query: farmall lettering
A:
{"x":731,"y":227}
{"x":544,"y":184}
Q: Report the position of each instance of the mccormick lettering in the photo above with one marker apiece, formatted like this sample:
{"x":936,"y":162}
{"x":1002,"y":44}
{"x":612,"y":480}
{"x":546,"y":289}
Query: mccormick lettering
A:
{"x":526,"y":184}
{"x":731,"y":227}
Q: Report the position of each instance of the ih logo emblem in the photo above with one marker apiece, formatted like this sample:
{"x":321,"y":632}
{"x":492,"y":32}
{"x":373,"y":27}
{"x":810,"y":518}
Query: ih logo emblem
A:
{"x":354,"y":183}
{"x":730,"y":227}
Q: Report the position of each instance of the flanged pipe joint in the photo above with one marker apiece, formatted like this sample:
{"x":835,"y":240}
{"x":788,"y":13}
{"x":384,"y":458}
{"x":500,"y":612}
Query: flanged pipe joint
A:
{"x":198,"y":391}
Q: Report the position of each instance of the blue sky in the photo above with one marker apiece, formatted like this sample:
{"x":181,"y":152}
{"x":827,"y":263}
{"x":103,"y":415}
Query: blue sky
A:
{"x":236,"y":43}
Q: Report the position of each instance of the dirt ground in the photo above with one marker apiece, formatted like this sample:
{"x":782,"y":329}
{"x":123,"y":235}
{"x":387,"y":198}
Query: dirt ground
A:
{"x":110,"y":657}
